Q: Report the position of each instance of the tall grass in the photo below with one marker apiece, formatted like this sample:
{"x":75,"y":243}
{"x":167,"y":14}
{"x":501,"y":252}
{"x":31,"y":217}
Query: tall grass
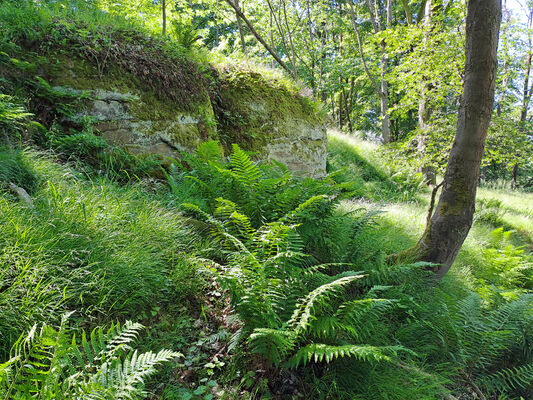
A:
{"x":102,"y":250}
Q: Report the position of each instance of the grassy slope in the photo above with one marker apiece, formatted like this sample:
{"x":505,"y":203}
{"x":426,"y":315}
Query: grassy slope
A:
{"x":403,"y":218}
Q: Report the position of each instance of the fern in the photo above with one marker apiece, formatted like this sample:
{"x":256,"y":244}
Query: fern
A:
{"x":319,"y":352}
{"x":300,"y":319}
{"x":509,"y":379}
{"x":272,"y":344}
{"x":210,"y":151}
{"x":486,"y":346}
{"x":46,"y":363}
{"x":272,"y":229}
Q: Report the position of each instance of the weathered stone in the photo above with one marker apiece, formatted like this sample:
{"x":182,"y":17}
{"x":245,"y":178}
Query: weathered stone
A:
{"x":272,"y":122}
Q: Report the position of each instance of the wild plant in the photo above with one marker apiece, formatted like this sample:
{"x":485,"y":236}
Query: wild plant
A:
{"x":50,"y":363}
{"x":293,"y":312}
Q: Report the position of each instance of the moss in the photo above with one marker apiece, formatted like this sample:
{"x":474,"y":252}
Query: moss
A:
{"x":456,"y":205}
{"x":78,"y":73}
{"x":250,"y":110}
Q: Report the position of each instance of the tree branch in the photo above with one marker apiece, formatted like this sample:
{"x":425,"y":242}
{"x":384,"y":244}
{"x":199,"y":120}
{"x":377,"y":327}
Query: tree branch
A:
{"x":354,"y":23}
{"x":260,"y":39}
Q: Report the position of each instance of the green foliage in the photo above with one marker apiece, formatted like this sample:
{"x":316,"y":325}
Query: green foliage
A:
{"x":105,"y":250}
{"x":94,"y":154}
{"x":13,"y":118}
{"x":263,"y":192}
{"x":50,"y":363}
{"x":486,"y":346}
{"x":15,"y":169}
{"x":506,"y":265}
{"x":366,"y":174}
{"x":291,"y":310}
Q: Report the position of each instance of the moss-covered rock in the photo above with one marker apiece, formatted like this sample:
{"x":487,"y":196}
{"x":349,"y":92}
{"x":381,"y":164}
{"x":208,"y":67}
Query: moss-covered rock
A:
{"x":149,"y":100}
{"x":276,"y":123}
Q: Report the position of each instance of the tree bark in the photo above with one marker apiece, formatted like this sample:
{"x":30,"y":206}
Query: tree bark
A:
{"x":382,"y":88}
{"x":164,"y":10}
{"x":241,"y":32}
{"x":527,"y":91}
{"x":408,"y":13}
{"x":424,"y":109}
{"x":451,"y":222}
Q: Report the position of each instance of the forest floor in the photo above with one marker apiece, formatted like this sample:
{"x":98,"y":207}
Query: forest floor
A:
{"x":124,"y":251}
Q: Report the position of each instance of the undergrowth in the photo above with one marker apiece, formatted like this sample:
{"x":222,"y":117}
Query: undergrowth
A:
{"x":268,"y":284}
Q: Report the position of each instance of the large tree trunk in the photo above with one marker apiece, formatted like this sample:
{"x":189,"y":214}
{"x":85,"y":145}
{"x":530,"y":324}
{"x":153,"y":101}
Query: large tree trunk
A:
{"x":451,"y":222}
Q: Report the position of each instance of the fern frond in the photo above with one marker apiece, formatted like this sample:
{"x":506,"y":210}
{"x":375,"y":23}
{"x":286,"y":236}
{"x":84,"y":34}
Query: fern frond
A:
{"x":210,"y":151}
{"x":318,"y":352}
{"x":238,"y":223}
{"x":122,"y":335}
{"x":509,"y":379}
{"x":244,"y":169}
{"x":357,"y":316}
{"x":273,"y":344}
{"x":307,"y":207}
{"x":302,"y":315}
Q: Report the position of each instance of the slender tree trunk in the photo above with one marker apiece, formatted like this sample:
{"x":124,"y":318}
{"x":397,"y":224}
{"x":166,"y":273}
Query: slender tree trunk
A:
{"x":241,"y":32}
{"x":408,"y":13}
{"x":527,"y":91}
{"x":451,"y":222}
{"x":281,"y":32}
{"x":424,"y":110}
{"x":514,"y":176}
{"x":289,"y":35}
{"x":382,"y":88}
{"x":164,"y":9}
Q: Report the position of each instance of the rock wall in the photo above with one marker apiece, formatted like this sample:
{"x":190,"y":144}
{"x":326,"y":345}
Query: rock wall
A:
{"x":242,"y":108}
{"x":118,"y":122}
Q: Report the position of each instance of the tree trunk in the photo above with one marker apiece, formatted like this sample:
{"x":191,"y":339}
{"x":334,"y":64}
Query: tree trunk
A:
{"x":526,"y":94}
{"x":384,"y":98}
{"x":424,"y":110}
{"x":514,"y":176}
{"x":241,"y":32}
{"x":164,"y":10}
{"x":382,"y":88}
{"x":451,"y":222}
{"x":527,"y":91}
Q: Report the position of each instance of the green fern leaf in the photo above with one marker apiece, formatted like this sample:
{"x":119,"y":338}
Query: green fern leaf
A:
{"x":318,"y":352}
